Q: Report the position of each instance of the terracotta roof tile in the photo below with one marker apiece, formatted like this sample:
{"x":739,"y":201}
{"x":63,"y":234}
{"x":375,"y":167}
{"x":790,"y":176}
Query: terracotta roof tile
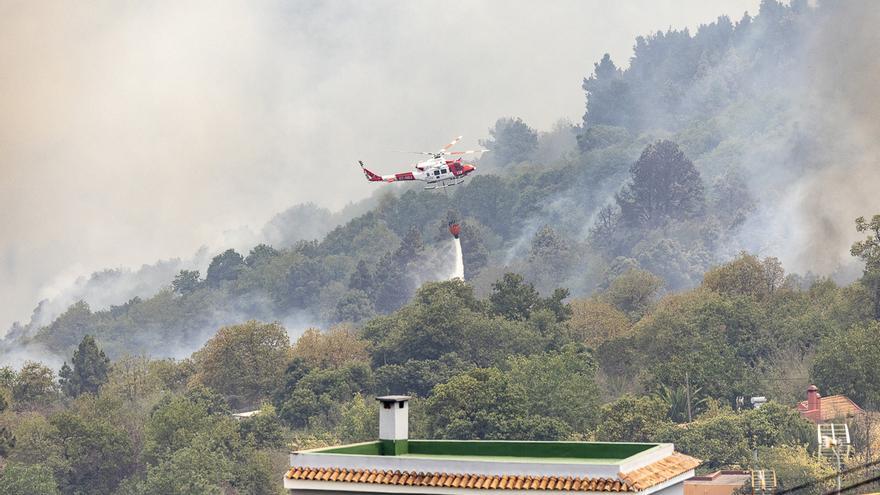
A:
{"x":478,"y":481}
{"x":834,"y":406}
{"x":637,"y":480}
{"x":663,"y":470}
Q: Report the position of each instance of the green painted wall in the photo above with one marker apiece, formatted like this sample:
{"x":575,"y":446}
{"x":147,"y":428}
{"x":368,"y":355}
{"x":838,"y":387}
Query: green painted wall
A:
{"x":366,"y":448}
{"x":394,"y":447}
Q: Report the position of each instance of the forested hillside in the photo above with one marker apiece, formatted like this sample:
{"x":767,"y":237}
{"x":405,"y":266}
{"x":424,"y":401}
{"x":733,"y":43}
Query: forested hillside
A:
{"x":612,"y":269}
{"x":674,"y":169}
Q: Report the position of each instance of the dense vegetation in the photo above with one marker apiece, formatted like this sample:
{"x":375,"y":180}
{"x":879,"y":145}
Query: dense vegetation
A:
{"x":600,"y":293}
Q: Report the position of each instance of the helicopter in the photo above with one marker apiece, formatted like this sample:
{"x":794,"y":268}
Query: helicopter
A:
{"x":437,"y":171}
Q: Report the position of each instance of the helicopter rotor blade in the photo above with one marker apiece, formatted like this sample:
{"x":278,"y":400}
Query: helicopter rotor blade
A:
{"x":450,"y":145}
{"x":416,"y":152}
{"x":468,"y":152}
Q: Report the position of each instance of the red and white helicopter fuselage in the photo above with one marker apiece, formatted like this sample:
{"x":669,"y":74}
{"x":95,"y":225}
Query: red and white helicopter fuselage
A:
{"x":436,"y":171}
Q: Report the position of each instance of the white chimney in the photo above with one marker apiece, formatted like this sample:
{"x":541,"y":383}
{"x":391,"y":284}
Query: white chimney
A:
{"x":394,"y":423}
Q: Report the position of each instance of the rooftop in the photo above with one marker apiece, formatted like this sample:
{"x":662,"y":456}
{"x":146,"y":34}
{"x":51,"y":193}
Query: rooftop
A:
{"x":831,"y":407}
{"x":516,"y":465}
{"x":397,"y":464}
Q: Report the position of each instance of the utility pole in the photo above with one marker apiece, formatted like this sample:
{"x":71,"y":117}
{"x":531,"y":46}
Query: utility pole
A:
{"x":687,"y":386}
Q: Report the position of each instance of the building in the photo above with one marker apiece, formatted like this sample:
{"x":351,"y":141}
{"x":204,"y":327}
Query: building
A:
{"x":717,"y":483}
{"x":820,"y":409}
{"x":397,"y":464}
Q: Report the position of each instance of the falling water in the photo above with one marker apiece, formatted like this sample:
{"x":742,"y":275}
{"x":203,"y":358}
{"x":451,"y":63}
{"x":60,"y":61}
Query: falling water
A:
{"x":459,"y":261}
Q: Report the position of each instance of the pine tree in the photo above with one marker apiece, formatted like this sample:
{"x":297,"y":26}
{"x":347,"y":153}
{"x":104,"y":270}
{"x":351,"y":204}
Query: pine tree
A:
{"x":89,"y":372}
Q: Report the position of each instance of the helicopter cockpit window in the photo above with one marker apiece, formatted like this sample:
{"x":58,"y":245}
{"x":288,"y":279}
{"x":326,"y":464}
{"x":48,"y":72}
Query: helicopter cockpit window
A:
{"x":444,"y":170}
{"x":436,"y":172}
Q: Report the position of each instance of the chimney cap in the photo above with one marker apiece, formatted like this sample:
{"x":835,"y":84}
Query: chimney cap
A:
{"x":812,"y":388}
{"x":393,"y":398}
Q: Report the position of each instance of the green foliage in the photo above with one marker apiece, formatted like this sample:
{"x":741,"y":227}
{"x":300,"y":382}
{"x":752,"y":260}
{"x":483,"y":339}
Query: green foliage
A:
{"x":676,"y":401}
{"x":186,"y":282}
{"x":795,"y":466}
{"x":314,"y":395}
{"x":190,"y":470}
{"x":34,"y":385}
{"x":224,"y":267}
{"x":868,"y":250}
{"x":359,"y":418}
{"x":846,"y":363}
{"x":511,"y":141}
{"x":89,"y":372}
{"x":97,"y":455}
{"x":244,"y":362}
{"x":264,"y":430}
{"x":23,"y":479}
{"x":531,"y":400}
{"x":747,"y":276}
{"x":173,"y":424}
{"x":483,"y":404}
{"x":719,"y":439}
{"x":513,"y":298}
{"x":665,"y":186}
{"x":631,"y":419}
{"x":633,"y":292}
{"x":724,"y":438}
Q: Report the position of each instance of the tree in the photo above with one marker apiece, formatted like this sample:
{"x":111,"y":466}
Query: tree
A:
{"x":513,"y":298}
{"x":631,"y":419}
{"x":317,"y":397}
{"x":362,"y":278}
{"x":359,"y":418}
{"x":868,"y":250}
{"x":720,"y":438}
{"x":483,"y":404}
{"x":746,"y":275}
{"x":473,"y":248}
{"x":260,"y":255}
{"x":846,"y":363}
{"x":331,"y":349}
{"x":186,"y":281}
{"x":97,"y":454}
{"x":354,"y":306}
{"x":23,"y":479}
{"x":190,"y":470}
{"x":794,"y":466}
{"x":225,"y":266}
{"x":89,"y":372}
{"x":608,"y":98}
{"x":633,"y":292}
{"x":560,"y":385}
{"x":244,"y":362}
{"x":173,"y":424}
{"x":550,"y":254}
{"x":594,"y":322}
{"x":511,"y":141}
{"x":664,"y":186}
{"x":34,"y":385}
{"x":263,"y":430}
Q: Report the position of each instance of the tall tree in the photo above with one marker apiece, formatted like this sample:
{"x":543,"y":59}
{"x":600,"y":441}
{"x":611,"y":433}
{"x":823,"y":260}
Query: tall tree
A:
{"x":34,"y":385}
{"x":868,"y":250}
{"x":514,"y":298}
{"x":665,"y":186}
{"x":511,"y":141}
{"x":186,"y":281}
{"x":89,"y":372}
{"x":244,"y":362}
{"x":224,"y":266}
{"x":608,"y":98}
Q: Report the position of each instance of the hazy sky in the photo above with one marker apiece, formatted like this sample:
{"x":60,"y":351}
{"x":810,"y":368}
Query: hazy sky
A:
{"x":133,"y":131}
